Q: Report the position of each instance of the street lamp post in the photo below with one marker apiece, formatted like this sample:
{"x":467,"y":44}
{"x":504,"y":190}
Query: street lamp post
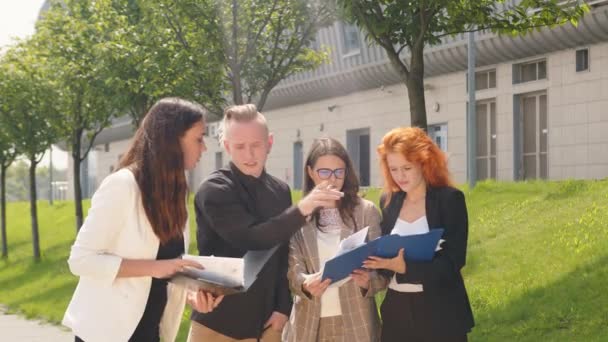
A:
{"x":51,"y":175}
{"x":471,"y":118}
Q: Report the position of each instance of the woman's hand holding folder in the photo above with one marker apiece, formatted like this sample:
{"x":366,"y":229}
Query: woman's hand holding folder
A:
{"x":314,"y":286}
{"x":396,"y":264}
{"x":361,"y":278}
{"x":203,"y":301}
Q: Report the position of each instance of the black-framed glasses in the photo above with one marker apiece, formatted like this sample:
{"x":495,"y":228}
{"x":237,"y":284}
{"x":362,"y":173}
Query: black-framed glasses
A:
{"x":326,"y":173}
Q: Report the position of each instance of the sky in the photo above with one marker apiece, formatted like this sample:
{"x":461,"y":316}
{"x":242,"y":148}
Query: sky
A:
{"x":17,"y":19}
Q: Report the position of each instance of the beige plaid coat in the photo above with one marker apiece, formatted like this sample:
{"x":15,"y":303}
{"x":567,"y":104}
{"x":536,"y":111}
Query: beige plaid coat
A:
{"x":359,"y":312}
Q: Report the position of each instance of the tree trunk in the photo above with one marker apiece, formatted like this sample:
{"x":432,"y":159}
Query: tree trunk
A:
{"x":34,"y":210}
{"x":77,"y":185}
{"x":237,"y":88}
{"x":415,"y":88}
{"x":3,"y":211}
{"x":263,"y":99}
{"x":235,"y":64}
{"x":414,"y":82}
{"x":138,"y":109}
{"x":415,"y":93}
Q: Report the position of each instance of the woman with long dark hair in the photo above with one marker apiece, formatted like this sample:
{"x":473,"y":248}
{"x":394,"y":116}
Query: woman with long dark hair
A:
{"x":136,"y":232}
{"x":346,"y":311}
{"x":425,"y":301}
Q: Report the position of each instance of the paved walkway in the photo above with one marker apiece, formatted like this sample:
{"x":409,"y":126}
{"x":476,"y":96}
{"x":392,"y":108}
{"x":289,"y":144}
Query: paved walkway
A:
{"x":15,"y":328}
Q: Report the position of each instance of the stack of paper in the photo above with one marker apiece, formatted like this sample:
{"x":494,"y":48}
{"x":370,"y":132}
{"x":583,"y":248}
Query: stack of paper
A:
{"x":222,"y":275}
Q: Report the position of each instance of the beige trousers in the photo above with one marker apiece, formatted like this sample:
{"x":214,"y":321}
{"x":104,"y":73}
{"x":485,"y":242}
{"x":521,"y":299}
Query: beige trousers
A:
{"x":200,"y":333}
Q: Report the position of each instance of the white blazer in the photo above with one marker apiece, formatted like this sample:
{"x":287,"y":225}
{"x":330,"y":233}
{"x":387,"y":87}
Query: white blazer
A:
{"x":106,"y":308}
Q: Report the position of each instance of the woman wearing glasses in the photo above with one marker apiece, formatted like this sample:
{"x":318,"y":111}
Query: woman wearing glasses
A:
{"x":345,"y":311}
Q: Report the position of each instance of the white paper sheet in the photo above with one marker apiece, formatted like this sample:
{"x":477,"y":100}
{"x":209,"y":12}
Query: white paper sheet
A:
{"x":355,"y":240}
{"x":439,"y":245}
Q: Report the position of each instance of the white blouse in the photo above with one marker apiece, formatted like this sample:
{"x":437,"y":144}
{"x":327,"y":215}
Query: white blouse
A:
{"x":404,"y":228}
{"x":328,"y":240}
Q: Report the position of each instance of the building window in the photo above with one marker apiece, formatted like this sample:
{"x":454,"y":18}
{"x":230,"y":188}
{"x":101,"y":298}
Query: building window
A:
{"x":439,"y":134}
{"x":358,"y":147}
{"x":213,"y":129}
{"x":106,"y":147}
{"x":483,"y":80}
{"x":582,"y":60}
{"x":534,"y":136}
{"x":219,"y":160}
{"x":485,"y":117}
{"x":530,"y":71}
{"x":350,"y":37}
{"x":298,"y":165}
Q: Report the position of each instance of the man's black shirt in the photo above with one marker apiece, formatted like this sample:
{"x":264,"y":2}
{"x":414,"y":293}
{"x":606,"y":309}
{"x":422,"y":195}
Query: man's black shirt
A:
{"x":236,"y":213}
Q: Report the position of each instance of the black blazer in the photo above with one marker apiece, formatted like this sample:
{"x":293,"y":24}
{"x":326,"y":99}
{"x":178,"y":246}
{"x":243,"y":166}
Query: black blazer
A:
{"x":443,"y":284}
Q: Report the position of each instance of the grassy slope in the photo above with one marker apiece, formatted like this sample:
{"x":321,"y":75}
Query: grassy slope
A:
{"x":537,"y":255}
{"x":536,"y":262}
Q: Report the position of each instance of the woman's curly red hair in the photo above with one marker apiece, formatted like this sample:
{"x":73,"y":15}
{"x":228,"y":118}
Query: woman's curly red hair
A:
{"x":417,"y":147}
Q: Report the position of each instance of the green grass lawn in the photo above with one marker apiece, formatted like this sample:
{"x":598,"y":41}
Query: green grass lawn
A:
{"x":537,"y":266}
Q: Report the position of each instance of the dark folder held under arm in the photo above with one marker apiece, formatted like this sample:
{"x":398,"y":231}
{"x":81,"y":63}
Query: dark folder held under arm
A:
{"x":419,"y":247}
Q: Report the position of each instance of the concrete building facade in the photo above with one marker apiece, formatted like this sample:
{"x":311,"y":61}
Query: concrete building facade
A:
{"x":542,"y":106}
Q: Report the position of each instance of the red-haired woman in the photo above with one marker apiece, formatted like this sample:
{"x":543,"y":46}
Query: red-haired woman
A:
{"x":425,"y":301}
{"x":135,"y":233}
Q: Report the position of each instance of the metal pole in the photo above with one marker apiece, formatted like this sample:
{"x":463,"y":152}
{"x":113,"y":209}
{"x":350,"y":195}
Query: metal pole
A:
{"x":471,"y":119}
{"x":51,"y":175}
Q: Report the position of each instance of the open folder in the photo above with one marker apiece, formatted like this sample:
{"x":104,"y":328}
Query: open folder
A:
{"x":222,"y":275}
{"x":419,"y":247}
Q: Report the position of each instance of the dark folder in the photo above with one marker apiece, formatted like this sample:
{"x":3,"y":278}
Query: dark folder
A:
{"x":215,"y":283}
{"x":419,"y":247}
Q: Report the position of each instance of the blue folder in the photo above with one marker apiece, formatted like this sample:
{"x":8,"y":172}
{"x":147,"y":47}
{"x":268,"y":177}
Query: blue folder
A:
{"x":420,"y":247}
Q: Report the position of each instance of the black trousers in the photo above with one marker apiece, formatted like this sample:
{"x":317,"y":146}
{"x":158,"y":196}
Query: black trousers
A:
{"x":78,"y":339}
{"x":406,"y":317}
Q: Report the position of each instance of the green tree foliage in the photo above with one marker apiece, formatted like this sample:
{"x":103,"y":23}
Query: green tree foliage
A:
{"x":145,"y":62}
{"x":398,"y":25}
{"x":7,"y":156}
{"x":73,"y":35}
{"x":30,"y":112}
{"x":259,"y":42}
